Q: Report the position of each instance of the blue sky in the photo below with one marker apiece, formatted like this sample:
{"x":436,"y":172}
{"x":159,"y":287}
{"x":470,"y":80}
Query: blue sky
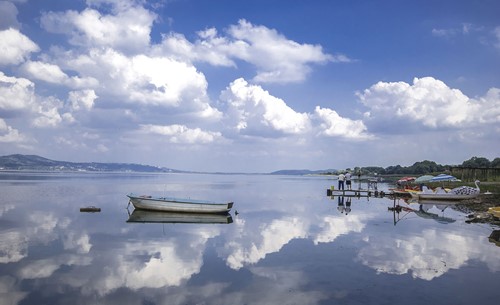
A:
{"x":250,"y":86}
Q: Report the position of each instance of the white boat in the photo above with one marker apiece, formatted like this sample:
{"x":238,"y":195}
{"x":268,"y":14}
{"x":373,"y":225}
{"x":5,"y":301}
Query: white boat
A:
{"x":144,"y":216}
{"x":458,"y":193}
{"x":170,"y":204}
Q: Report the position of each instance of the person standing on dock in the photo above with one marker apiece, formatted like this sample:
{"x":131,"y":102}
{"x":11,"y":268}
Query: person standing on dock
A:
{"x":341,"y":181}
{"x":348,"y":180}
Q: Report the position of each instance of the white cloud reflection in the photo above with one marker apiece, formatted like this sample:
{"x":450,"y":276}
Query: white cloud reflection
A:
{"x":253,"y":245}
{"x":9,"y":292}
{"x":427,"y":256}
{"x":333,"y":227}
{"x":166,"y":264}
{"x":154,"y":264}
{"x":13,"y":246}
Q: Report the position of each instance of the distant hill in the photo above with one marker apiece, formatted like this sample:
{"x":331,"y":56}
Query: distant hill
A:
{"x":301,"y":172}
{"x":33,"y":162}
{"x":37,"y":163}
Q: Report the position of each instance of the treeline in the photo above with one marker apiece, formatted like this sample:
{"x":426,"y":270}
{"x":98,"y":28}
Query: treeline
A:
{"x":424,"y":167}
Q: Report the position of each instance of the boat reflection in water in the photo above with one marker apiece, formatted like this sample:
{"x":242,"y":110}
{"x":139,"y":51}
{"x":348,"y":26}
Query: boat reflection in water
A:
{"x":145,"y":216}
{"x":422,"y":210}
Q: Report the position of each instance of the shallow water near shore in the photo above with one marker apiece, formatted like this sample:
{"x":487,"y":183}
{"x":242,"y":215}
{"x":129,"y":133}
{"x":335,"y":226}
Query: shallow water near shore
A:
{"x":288,"y":243}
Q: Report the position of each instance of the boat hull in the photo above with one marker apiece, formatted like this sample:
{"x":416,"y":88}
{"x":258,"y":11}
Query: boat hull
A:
{"x":447,"y":197}
{"x":403,"y":192}
{"x":167,"y":204}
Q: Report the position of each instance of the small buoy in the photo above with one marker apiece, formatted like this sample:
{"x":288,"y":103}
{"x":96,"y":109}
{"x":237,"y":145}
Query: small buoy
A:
{"x":91,"y":209}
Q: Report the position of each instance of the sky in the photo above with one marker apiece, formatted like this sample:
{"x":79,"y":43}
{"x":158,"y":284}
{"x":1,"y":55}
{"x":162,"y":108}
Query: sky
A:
{"x":251,"y":86}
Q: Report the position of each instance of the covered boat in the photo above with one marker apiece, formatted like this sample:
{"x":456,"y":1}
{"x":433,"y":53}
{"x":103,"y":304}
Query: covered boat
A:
{"x":458,"y":193}
{"x":170,"y":204}
{"x":404,"y":187}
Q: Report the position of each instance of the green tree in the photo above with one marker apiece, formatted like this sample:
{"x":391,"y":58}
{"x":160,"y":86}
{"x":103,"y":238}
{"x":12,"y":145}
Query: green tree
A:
{"x":426,"y":167}
{"x":391,"y":170}
{"x":370,"y":170}
{"x":476,"y":162}
{"x":495,"y":162}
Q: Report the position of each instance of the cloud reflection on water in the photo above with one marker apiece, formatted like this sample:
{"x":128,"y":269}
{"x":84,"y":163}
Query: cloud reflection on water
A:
{"x":333,"y":227}
{"x":427,"y":256}
{"x":253,"y":244}
{"x":13,"y":246}
{"x":258,"y":254}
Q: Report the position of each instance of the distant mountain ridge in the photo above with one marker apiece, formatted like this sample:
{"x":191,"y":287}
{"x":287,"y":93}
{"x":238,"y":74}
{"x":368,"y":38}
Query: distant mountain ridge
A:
{"x":34,"y":162}
{"x":301,"y":172}
{"x":37,"y":163}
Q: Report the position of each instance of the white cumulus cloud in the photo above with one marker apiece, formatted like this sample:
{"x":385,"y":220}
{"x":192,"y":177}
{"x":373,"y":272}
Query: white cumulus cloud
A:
{"x":182,"y":134}
{"x":9,"y":134}
{"x":52,"y":73}
{"x":146,"y":80}
{"x":83,"y":99}
{"x":252,"y":109}
{"x":15,"y":93}
{"x":127,"y":29}
{"x":276,"y":58}
{"x":429,"y":102}
{"x":332,"y":124}
{"x":210,"y":48}
{"x":44,"y":71}
{"x":15,"y":47}
{"x":48,"y":113}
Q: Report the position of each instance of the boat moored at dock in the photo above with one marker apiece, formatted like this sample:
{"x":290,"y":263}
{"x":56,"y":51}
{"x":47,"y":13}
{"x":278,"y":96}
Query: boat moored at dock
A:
{"x":458,"y":193}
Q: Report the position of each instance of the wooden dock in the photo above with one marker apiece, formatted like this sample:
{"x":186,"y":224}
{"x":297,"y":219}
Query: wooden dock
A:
{"x":355,"y":193}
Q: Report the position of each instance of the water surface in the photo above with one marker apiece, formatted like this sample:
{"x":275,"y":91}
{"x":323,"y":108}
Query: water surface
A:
{"x":288,"y":244}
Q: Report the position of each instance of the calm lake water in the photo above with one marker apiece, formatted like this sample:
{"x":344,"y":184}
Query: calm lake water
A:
{"x":289,"y":244}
